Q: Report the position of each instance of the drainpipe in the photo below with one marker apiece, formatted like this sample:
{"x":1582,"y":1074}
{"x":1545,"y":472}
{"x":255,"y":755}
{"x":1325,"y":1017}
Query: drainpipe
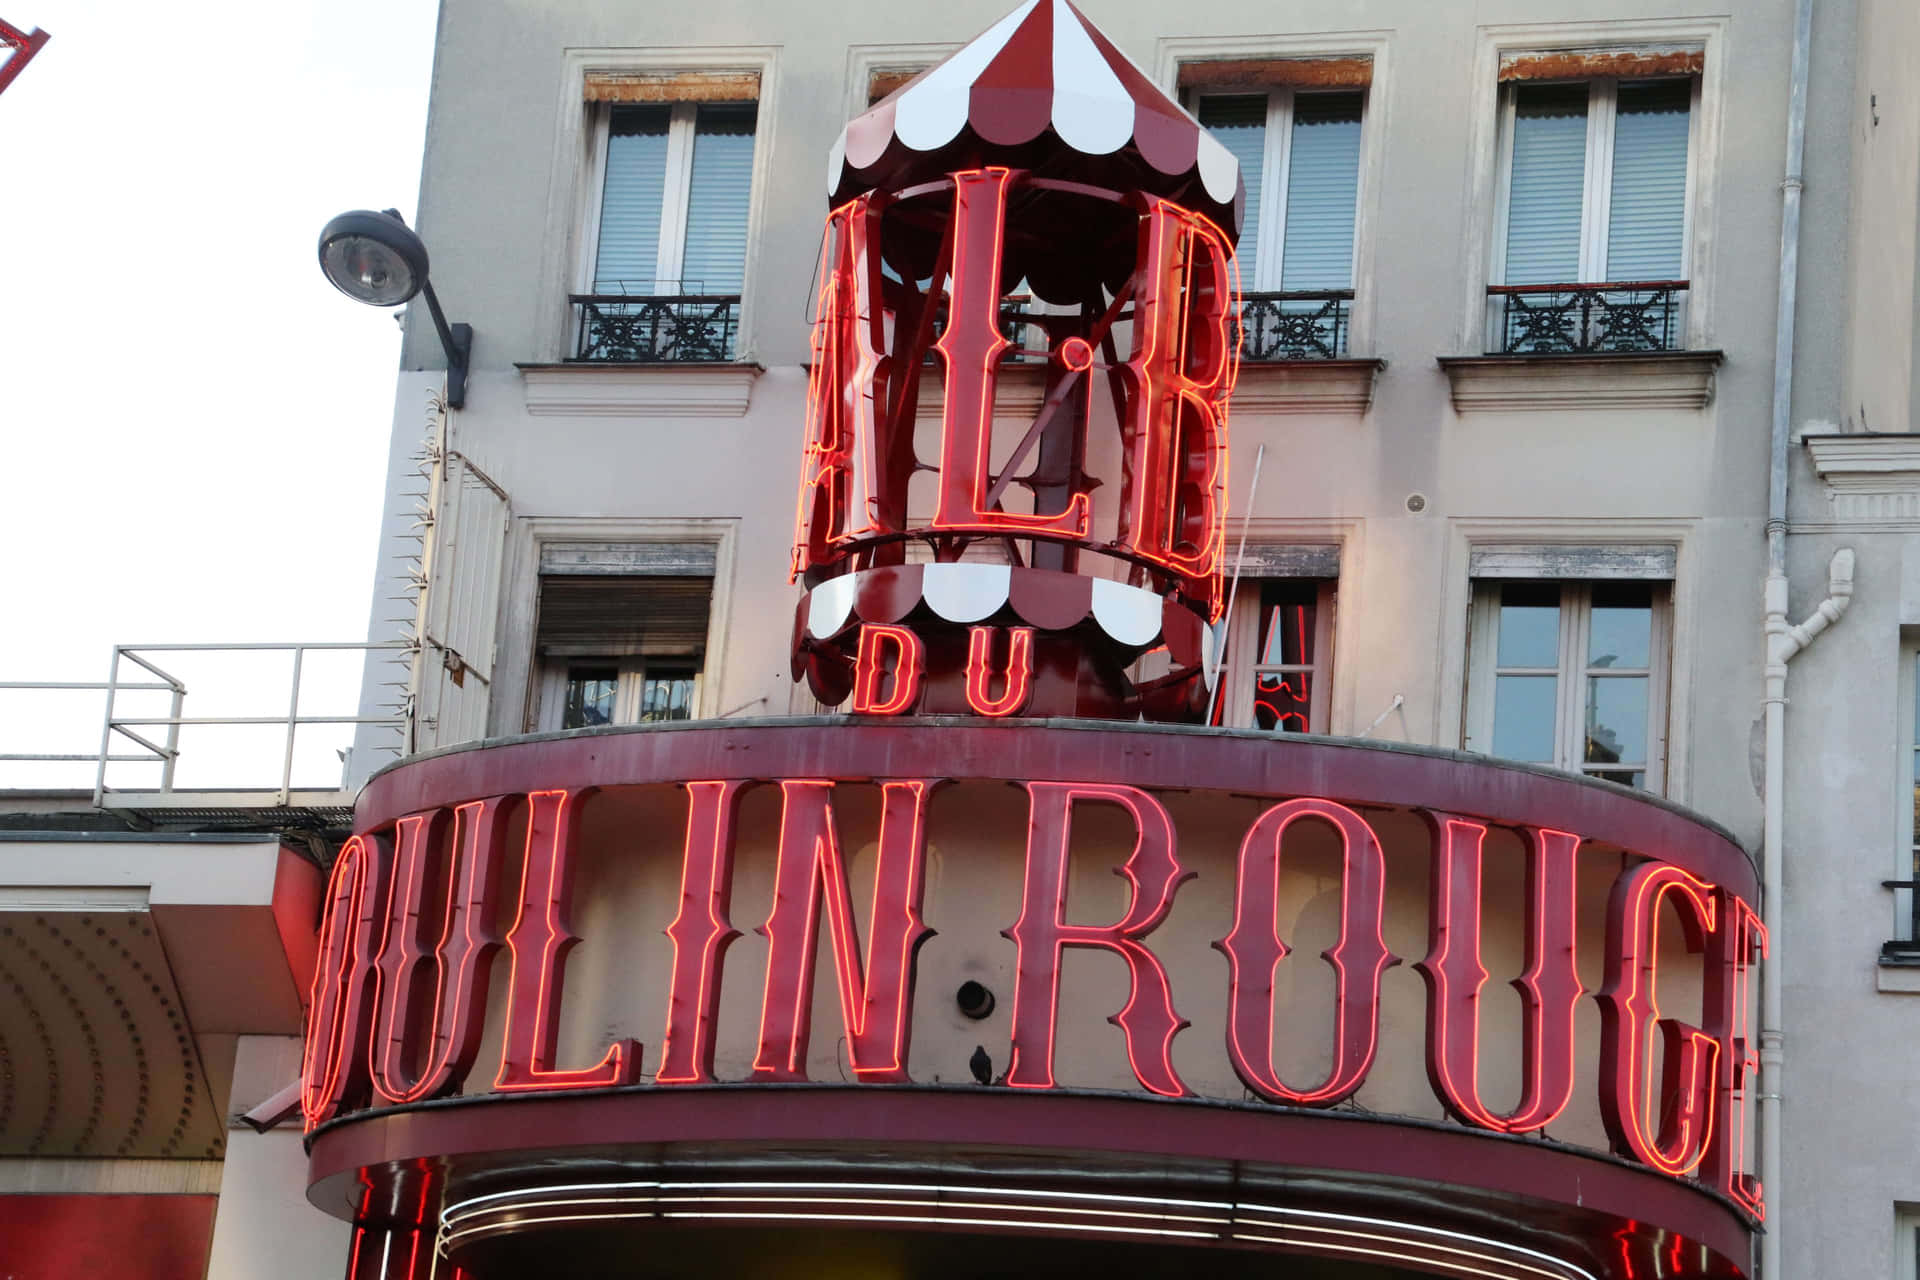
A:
{"x":1783,"y":641}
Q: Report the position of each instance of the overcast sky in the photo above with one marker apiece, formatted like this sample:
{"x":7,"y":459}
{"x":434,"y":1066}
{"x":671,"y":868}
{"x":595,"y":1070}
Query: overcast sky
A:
{"x":195,"y":424}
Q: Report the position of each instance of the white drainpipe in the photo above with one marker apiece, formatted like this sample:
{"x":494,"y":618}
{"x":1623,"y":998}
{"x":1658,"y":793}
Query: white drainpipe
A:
{"x":1783,"y":641}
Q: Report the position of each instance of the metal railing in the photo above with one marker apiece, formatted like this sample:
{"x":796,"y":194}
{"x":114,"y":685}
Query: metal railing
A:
{"x":127,"y":739}
{"x":1297,"y":324}
{"x":694,"y":328}
{"x":1587,"y":319}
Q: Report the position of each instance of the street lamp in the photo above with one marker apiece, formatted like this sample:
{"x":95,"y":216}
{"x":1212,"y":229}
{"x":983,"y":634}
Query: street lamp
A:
{"x":377,"y":259}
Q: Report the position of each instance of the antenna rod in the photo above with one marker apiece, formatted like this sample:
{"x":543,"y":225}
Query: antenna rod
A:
{"x":1226,"y":619}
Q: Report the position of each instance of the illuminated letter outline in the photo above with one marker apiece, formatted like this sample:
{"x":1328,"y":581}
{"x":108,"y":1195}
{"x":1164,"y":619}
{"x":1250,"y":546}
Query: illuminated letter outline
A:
{"x":1254,"y":950}
{"x":969,"y":349}
{"x":1153,"y":871}
{"x":911,"y":662}
{"x":345,"y":983}
{"x":1019,"y":675}
{"x":700,"y":933}
{"x":1629,"y":1012}
{"x":461,"y":953}
{"x":876,"y":1000}
{"x":1549,"y":988}
{"x":539,"y":942}
{"x":1740,"y":940}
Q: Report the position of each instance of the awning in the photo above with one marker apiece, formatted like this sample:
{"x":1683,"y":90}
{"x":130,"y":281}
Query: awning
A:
{"x":1039,"y":87}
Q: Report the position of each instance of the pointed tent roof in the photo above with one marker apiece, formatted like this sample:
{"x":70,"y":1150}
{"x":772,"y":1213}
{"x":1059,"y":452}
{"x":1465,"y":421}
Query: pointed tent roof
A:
{"x":1041,"y":83}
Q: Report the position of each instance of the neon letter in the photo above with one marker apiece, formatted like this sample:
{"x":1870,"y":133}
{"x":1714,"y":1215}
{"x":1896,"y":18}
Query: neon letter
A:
{"x":333,"y":1071}
{"x":1629,"y":1011}
{"x":1153,"y":872}
{"x":460,"y":952}
{"x":1185,"y":356}
{"x":539,"y":942}
{"x":1254,"y":951}
{"x":1549,"y":989}
{"x":1738,"y":942}
{"x":969,"y":348}
{"x":1018,"y":686}
{"x":869,"y":666}
{"x":875,"y":1005}
{"x":701,"y":933}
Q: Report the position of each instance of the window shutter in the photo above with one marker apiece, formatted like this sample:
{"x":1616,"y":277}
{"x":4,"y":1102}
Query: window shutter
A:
{"x":714,"y":260}
{"x":1548,"y":184}
{"x":1292,"y":73}
{"x":628,"y":257}
{"x":615,"y":616}
{"x":672,"y":86}
{"x":1548,"y":561}
{"x":1239,"y":123}
{"x":1323,"y":182}
{"x":1648,"y":215}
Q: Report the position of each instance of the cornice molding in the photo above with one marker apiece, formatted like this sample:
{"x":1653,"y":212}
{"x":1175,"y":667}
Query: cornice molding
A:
{"x":639,"y":390}
{"x":1650,"y":380}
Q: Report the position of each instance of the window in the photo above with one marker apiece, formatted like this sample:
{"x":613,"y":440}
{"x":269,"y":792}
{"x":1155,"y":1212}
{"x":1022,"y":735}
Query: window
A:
{"x":1595,"y":192}
{"x":1286,"y":624}
{"x":1905,"y":946}
{"x":1572,"y":675}
{"x":1299,"y":154}
{"x":666,"y":260}
{"x":624,"y":643}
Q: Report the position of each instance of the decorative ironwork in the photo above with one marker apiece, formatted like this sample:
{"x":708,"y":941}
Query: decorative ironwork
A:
{"x":1581,"y":319}
{"x":666,"y":329}
{"x":1296,"y":325}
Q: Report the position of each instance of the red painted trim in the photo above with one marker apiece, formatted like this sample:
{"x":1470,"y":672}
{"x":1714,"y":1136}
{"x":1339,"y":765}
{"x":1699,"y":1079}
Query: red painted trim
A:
{"x":24,"y":44}
{"x":1545,"y":1185}
{"x":1144,"y":756}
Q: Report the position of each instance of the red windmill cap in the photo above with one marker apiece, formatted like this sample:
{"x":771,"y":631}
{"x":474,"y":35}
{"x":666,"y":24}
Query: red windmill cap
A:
{"x":1043,"y":69}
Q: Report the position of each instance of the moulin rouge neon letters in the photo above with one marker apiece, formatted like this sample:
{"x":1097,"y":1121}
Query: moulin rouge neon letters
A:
{"x":1672,"y":1095}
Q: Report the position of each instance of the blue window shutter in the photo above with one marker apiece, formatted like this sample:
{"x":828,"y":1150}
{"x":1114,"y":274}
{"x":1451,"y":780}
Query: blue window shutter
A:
{"x":1323,"y":183}
{"x":715,"y":257}
{"x":1648,"y":214}
{"x":630,"y":200}
{"x":1239,"y":123}
{"x":1548,"y":184}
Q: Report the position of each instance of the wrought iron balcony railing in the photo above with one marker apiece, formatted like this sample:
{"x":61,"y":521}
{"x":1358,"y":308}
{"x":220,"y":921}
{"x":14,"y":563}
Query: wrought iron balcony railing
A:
{"x":1309,"y":324}
{"x":657,"y":329}
{"x":1587,"y":319}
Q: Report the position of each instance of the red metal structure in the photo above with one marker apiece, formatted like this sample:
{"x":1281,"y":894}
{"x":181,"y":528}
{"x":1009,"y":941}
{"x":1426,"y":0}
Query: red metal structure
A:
{"x":17,"y":48}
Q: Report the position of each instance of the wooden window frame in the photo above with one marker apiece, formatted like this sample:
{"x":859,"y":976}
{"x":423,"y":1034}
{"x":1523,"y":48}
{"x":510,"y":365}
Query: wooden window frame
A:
{"x":1571,"y":670}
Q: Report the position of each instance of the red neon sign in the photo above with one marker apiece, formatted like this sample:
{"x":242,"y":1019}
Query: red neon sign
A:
{"x":1670,"y":1133}
{"x":875,"y":999}
{"x":1254,"y":951}
{"x":1153,"y":872}
{"x":23,"y":45}
{"x":539,"y":942}
{"x":701,"y":932}
{"x":333,"y":1069}
{"x":1549,"y":989}
{"x":909,"y":661}
{"x":1017,"y":680}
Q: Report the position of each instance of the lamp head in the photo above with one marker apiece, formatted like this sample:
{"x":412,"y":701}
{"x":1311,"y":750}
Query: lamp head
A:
{"x":373,"y":258}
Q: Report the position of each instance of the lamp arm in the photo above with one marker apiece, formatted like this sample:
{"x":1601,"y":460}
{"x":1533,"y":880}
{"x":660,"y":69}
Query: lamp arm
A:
{"x":456,"y":341}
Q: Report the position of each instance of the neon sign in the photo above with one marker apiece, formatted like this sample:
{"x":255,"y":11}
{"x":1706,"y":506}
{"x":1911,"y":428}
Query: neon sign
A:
{"x":18,"y":48}
{"x":1672,"y":1095}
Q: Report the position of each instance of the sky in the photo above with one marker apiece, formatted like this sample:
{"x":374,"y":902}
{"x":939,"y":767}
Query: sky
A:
{"x":193,"y":424}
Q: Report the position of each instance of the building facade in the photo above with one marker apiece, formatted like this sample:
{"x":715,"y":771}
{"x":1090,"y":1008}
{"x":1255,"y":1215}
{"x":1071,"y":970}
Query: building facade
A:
{"x":1327,"y":462}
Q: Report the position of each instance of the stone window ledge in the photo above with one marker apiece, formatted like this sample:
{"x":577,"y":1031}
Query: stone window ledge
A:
{"x":1626,"y":380}
{"x":596,"y":390}
{"x":1306,"y":386}
{"x":1871,"y":476}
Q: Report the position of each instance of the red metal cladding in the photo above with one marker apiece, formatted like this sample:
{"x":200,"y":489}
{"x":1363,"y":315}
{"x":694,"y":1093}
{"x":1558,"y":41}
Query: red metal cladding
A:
{"x":1153,"y":872}
{"x":1016,"y":678}
{"x":17,"y":49}
{"x":1549,"y":988}
{"x":876,"y":1000}
{"x":1254,"y":951}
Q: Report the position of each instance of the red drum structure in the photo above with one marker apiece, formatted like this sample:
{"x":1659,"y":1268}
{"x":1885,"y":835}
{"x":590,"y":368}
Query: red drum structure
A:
{"x":997,"y":974}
